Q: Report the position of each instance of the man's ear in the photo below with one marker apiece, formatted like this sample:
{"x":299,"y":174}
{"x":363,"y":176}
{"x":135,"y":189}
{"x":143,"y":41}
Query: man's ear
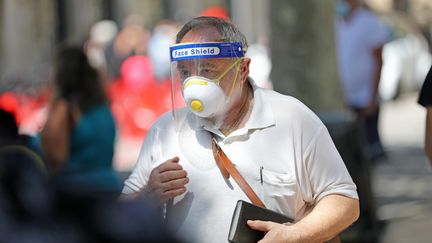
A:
{"x":244,"y":69}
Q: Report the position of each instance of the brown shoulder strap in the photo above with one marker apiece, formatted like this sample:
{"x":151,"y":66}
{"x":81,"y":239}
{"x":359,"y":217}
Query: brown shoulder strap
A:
{"x":227,"y":168}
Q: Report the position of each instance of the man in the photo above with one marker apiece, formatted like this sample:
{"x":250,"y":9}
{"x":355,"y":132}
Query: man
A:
{"x":360,"y":40}
{"x":278,"y":145}
{"x":425,"y":99}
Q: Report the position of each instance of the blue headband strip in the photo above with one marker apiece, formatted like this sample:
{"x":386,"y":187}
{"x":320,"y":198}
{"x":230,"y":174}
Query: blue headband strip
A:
{"x":206,"y":50}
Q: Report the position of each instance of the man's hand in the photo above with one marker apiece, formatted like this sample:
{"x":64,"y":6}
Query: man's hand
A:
{"x":168,"y":180}
{"x":370,"y":109}
{"x":275,"y":232}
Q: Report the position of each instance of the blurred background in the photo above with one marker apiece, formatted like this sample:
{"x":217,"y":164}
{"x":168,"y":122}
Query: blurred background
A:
{"x":292,"y":46}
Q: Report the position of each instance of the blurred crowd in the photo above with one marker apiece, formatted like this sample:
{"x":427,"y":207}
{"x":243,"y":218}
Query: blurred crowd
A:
{"x":135,"y":67}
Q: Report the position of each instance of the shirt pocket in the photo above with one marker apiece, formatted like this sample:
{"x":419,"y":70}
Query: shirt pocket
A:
{"x":279,"y":191}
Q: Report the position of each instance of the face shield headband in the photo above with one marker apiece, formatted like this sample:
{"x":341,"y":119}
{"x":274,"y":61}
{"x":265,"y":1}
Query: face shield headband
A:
{"x":187,"y":51}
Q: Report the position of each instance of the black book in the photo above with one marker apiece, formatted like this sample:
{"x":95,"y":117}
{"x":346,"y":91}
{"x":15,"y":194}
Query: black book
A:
{"x":240,"y":232}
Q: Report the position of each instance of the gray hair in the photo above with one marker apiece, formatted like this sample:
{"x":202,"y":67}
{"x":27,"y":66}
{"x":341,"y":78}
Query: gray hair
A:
{"x":228,"y":32}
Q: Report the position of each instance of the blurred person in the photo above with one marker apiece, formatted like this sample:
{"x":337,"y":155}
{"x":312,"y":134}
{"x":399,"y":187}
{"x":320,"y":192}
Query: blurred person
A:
{"x":11,"y":140}
{"x":91,"y":218}
{"x":360,"y":38}
{"x":101,"y":34}
{"x":142,"y":91}
{"x":34,"y":210}
{"x":9,"y":129}
{"x":23,"y":181}
{"x":425,"y":99}
{"x":163,"y":36}
{"x":132,"y":39}
{"x":24,"y":197}
{"x":261,"y":65}
{"x":78,"y":138}
{"x":281,"y":148}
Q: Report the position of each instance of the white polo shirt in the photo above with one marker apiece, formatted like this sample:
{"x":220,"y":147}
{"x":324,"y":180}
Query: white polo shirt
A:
{"x":283,"y":139}
{"x":356,"y":41}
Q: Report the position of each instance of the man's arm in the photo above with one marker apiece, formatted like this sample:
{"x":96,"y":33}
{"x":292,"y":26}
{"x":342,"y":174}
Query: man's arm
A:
{"x":55,"y":135}
{"x":373,"y":103}
{"x":331,"y":215}
{"x":428,"y":134}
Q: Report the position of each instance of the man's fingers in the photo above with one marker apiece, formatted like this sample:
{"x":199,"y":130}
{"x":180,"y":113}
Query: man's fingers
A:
{"x":172,"y":175}
{"x":171,"y":164}
{"x":175,"y":159}
{"x":263,"y":226}
{"x":174,"y":184}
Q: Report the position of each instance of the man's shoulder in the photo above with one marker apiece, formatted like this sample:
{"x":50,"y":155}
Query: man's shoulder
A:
{"x":292,"y":115}
{"x":286,"y":105}
{"x":276,"y":98}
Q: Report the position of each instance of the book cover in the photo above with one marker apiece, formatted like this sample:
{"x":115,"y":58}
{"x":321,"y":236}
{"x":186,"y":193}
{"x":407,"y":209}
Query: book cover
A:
{"x":240,"y":232}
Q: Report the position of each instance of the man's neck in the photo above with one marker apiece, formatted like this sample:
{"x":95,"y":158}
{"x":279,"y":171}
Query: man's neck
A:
{"x":239,"y":114}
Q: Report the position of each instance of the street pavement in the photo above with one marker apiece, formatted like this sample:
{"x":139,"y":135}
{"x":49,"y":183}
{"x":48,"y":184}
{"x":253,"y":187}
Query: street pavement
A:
{"x":402,"y":182}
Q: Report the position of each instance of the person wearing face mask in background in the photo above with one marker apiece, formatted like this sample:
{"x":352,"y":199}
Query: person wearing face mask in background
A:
{"x":277,"y":144}
{"x":360,"y":38}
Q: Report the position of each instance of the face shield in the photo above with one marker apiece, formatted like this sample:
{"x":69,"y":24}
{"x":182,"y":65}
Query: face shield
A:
{"x":205,"y":75}
{"x":203,"y":78}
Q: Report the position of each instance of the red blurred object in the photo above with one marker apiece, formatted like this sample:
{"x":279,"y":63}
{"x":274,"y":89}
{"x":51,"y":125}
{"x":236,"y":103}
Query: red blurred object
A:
{"x":137,"y":108}
{"x":27,"y":109}
{"x":137,"y":72}
{"x":137,"y":99}
{"x":9,"y":102}
{"x":215,"y":11}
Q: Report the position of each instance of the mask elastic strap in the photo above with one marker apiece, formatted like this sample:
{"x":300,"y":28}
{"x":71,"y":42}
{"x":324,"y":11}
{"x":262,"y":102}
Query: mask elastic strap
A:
{"x":235,"y":78}
{"x":227,"y":70}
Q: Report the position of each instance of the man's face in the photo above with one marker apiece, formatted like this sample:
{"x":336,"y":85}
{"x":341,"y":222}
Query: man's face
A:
{"x":211,"y":68}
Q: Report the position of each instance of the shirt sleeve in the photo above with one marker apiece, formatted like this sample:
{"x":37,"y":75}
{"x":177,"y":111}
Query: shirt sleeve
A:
{"x":377,"y":33}
{"x":139,"y":177}
{"x":326,"y":170}
{"x":425,"y":97}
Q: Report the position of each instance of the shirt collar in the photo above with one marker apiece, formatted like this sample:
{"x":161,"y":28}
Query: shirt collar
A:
{"x":261,"y":116}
